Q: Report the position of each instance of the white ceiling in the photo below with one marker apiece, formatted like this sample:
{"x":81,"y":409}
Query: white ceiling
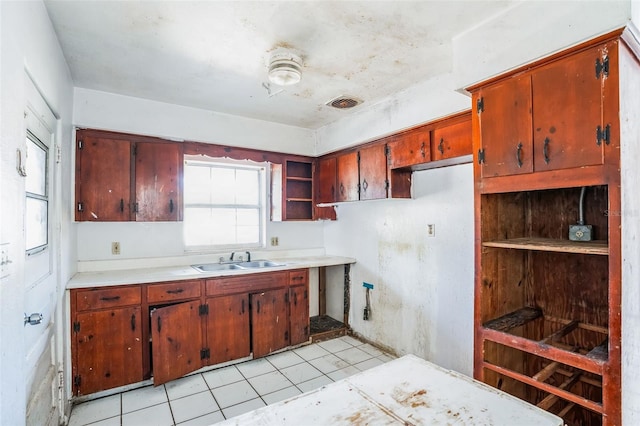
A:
{"x":214,"y":54}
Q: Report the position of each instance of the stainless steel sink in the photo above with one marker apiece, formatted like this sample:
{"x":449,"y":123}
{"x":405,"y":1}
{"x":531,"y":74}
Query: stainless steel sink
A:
{"x":212,"y":267}
{"x":259,"y":264}
{"x":255,"y":264}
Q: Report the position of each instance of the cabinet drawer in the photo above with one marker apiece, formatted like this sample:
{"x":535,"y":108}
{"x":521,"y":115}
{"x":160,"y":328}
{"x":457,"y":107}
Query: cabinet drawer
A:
{"x":100,"y":298}
{"x":246,"y":283}
{"x":173,"y":291}
{"x":299,"y":276}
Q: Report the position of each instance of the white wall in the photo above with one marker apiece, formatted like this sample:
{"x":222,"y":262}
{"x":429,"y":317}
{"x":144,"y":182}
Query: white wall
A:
{"x":101,"y":110}
{"x":422,"y":301}
{"x":29,"y":44}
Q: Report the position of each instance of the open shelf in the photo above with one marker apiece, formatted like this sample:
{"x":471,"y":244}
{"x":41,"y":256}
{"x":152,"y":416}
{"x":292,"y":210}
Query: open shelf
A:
{"x":298,"y":190}
{"x":552,"y":245}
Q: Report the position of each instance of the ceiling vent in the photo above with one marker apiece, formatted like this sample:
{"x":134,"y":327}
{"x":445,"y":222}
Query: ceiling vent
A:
{"x":344,"y":102}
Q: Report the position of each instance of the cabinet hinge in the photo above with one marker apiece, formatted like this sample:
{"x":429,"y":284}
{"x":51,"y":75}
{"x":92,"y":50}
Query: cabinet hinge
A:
{"x":480,"y":105}
{"x":80,"y":144}
{"x":77,"y":381}
{"x":358,"y":157}
{"x":602,"y":67}
{"x":135,"y":150}
{"x":203,"y":310}
{"x":603,"y":135}
{"x":481,"y":156}
{"x":205,"y":353}
{"x":306,"y":330}
{"x":387,"y":150}
{"x":80,"y":207}
{"x":386,"y":184}
{"x":286,"y":297}
{"x":76,"y":327}
{"x":286,"y":335}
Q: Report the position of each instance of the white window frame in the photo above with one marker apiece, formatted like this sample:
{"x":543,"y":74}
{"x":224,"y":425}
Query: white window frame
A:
{"x":262,"y":205}
{"x":41,"y":197}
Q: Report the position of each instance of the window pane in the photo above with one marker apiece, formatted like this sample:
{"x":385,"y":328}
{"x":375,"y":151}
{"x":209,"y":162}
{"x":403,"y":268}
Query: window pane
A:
{"x":247,"y":187}
{"x":36,"y":164}
{"x":35,"y":223}
{"x":197,"y":184}
{"x":198,"y":226}
{"x":223,"y":191}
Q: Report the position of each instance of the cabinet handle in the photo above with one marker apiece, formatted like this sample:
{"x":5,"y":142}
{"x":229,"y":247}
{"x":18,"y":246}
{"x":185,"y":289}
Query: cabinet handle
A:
{"x":133,"y":322}
{"x":135,"y":207}
{"x":243,"y":306}
{"x":441,"y":146}
{"x":545,"y":150}
{"x":365,"y":185}
{"x":341,"y":189}
{"x":171,"y":205}
{"x":422,"y":150}
{"x":159,"y":325}
{"x":176,"y":291}
{"x":110,"y":298}
{"x":121,"y":205}
{"x":295,"y":298}
{"x":518,"y":153}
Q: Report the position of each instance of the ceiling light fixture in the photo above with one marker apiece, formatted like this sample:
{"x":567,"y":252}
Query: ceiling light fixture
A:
{"x":285,"y":68}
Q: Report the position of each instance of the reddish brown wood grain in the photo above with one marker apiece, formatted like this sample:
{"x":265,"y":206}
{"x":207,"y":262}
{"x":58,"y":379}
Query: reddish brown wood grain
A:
{"x":347,"y":177}
{"x":228,"y":335}
{"x":373,"y":173}
{"x":452,"y":141}
{"x":269,"y":321}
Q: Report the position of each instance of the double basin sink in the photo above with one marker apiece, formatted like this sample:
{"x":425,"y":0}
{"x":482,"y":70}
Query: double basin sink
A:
{"x":255,"y":264}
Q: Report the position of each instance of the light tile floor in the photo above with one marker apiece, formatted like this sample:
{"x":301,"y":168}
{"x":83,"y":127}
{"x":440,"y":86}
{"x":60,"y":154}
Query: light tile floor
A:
{"x":210,"y":397}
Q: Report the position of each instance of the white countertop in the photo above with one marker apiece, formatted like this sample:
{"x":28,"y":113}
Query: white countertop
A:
{"x":173,"y":273}
{"x":406,"y":391}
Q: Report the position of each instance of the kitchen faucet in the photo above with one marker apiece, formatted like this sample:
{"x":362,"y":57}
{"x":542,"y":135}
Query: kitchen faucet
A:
{"x":248,"y":256}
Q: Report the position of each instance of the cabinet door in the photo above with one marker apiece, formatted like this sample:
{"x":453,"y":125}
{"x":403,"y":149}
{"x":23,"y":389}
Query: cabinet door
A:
{"x":228,"y":328}
{"x":326,"y":180}
{"x":373,"y":172}
{"x":108,"y":349}
{"x":325,"y":187}
{"x":103,"y":179}
{"x":299,"y":313}
{"x":347,"y":166}
{"x":270,"y":321}
{"x":505,"y":127}
{"x":567,"y":109}
{"x":176,"y":341}
{"x":409,"y":149}
{"x":452,"y":141}
{"x":158,"y":170}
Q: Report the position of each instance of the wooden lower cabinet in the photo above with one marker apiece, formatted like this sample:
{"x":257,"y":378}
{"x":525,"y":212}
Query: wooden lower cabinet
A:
{"x":228,"y":334}
{"x":269,"y":321}
{"x":120,"y":337}
{"x":108,"y":349}
{"x":176,"y":337}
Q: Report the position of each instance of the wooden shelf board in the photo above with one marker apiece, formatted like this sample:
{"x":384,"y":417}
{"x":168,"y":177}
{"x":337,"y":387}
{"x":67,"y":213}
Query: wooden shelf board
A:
{"x":306,"y":200}
{"x":550,"y":244}
{"x":299,"y":179}
{"x":569,"y":357}
{"x":582,"y":401}
{"x":514,"y":319}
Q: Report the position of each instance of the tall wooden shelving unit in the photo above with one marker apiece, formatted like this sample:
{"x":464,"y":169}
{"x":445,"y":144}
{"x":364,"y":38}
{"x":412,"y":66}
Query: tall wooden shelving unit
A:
{"x":547,"y":309}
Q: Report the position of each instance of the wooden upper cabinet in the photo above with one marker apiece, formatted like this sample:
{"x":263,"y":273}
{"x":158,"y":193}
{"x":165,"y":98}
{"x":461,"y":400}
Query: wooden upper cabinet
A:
{"x":567,"y":111}
{"x":504,"y":115}
{"x":409,"y":149}
{"x":452,"y":141}
{"x":122,"y":177}
{"x":158,"y":171}
{"x":549,"y":118}
{"x":103,"y":178}
{"x":373,"y":172}
{"x":347,"y":177}
{"x":297,"y":191}
{"x":325,"y":187}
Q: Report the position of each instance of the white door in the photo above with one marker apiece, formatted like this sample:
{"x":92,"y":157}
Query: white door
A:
{"x":42,"y":292}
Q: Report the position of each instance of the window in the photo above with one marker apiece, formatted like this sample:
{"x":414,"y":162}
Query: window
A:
{"x":37,"y":202}
{"x":224,"y":204}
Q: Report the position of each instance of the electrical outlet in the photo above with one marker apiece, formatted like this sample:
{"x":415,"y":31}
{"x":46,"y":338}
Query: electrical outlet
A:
{"x":431,"y":230}
{"x":274,"y":241}
{"x":115,"y":247}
